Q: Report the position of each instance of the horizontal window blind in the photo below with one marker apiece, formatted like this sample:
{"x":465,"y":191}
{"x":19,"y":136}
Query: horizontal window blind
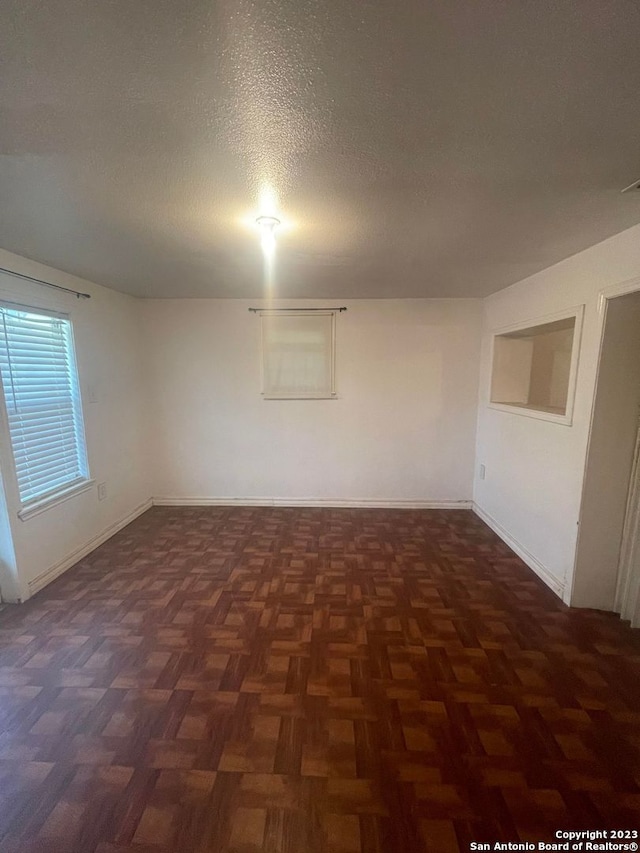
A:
{"x":42,"y":398}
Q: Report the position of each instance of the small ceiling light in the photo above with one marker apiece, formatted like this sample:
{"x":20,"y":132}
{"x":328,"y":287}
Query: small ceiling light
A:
{"x":267,"y":226}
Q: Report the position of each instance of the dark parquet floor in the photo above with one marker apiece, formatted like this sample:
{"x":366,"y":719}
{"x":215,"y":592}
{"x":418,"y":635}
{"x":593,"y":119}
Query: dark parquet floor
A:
{"x":251,"y":679}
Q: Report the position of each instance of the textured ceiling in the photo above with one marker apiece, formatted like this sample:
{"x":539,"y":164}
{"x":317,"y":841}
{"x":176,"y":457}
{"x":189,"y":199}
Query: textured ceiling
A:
{"x":416,"y":147}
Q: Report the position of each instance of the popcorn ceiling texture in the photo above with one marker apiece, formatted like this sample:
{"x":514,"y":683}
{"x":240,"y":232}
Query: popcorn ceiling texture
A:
{"x":416,"y":148}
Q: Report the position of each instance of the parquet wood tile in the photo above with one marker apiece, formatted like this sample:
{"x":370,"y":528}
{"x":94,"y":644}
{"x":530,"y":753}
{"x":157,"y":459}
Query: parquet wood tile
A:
{"x":232,"y":680}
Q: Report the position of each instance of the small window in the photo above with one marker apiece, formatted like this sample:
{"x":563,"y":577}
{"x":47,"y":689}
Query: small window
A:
{"x":298,"y":355}
{"x":42,"y":400}
{"x":534,"y":368}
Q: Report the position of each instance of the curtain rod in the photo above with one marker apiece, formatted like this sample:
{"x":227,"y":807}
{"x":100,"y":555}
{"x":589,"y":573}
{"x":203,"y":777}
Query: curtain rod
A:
{"x":298,"y":310}
{"x":78,"y":294}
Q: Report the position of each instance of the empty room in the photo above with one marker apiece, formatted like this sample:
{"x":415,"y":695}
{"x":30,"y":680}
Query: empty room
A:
{"x":319,"y":426}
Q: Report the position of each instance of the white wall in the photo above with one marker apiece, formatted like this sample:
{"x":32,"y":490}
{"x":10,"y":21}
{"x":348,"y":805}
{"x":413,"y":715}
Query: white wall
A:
{"x":402,"y":428}
{"x":534,"y":468}
{"x":109,"y":356}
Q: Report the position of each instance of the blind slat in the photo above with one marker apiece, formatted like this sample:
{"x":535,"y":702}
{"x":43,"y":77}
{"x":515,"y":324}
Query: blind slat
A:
{"x":46,"y":431}
{"x":39,"y":416}
{"x":54,"y":486}
{"x":62,"y":450}
{"x":36,"y":483}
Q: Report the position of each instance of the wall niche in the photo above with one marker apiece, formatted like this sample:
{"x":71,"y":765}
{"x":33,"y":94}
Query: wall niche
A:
{"x":534,"y":367}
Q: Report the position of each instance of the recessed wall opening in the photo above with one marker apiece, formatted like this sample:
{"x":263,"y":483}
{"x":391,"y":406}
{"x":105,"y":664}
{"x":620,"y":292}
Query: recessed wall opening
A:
{"x":534,"y":367}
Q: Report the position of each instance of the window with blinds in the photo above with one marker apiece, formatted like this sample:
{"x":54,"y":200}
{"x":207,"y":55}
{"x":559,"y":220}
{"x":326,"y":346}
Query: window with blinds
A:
{"x":298,"y":355}
{"x":42,"y":399}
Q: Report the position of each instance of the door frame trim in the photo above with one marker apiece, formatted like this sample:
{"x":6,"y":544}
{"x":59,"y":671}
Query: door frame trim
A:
{"x":622,"y":288}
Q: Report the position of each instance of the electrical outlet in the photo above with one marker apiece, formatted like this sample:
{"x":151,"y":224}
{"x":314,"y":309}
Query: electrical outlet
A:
{"x":483,"y":472}
{"x":102,"y":491}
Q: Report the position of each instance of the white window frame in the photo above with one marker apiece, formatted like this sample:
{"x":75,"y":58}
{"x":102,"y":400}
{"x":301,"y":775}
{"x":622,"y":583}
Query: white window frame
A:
{"x":40,"y":503}
{"x":576,"y":312}
{"x":332,"y":354}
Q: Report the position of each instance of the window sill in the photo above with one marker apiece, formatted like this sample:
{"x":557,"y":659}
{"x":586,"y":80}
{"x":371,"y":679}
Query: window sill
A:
{"x":331,"y":396}
{"x":539,"y":414}
{"x":45,"y":503}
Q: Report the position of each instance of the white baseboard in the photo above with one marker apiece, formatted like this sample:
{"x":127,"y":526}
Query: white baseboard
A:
{"x":362,"y":503}
{"x":71,"y":559}
{"x":527,"y":557}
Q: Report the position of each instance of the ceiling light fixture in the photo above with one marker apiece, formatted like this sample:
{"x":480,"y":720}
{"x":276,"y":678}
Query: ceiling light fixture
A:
{"x":267,"y":226}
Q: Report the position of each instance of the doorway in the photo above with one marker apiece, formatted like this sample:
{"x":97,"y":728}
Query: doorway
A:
{"x":627,"y":602}
{"x":606,"y":571}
